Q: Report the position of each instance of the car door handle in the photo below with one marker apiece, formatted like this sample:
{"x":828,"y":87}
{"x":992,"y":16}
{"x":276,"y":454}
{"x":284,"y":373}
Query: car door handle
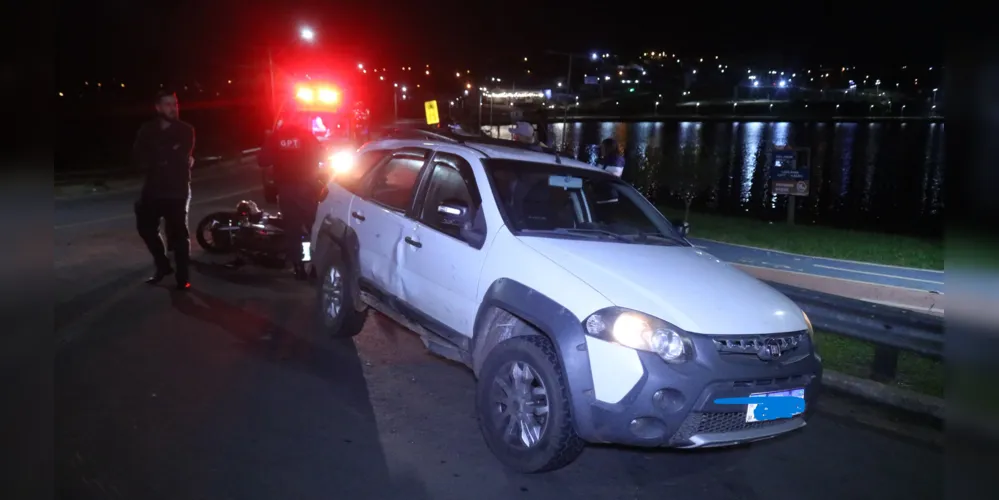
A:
{"x":413,"y":242}
{"x":357,"y":215}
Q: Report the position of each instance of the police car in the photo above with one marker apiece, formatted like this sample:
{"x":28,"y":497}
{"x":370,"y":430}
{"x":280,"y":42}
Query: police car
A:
{"x":584,"y":314}
{"x":332,"y":122}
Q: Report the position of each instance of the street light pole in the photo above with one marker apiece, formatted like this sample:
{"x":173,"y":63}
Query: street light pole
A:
{"x":305,"y":34}
{"x":270,"y":69}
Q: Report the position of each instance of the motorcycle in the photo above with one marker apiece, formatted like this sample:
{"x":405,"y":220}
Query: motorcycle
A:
{"x":250,"y":233}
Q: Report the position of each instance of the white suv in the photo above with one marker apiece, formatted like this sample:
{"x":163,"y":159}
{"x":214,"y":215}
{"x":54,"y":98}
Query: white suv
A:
{"x":584,"y":314}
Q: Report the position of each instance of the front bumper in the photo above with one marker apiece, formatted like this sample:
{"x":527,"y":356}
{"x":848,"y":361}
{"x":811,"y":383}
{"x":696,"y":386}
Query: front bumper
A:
{"x":675,"y":405}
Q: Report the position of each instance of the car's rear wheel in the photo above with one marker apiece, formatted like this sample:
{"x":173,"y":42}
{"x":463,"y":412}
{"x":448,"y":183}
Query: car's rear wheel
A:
{"x":338,"y":314}
{"x":522,"y":402}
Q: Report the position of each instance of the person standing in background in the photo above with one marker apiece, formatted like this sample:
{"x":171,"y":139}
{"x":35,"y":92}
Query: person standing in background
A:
{"x":524,"y":132}
{"x":610,"y":157}
{"x":164,"y":149}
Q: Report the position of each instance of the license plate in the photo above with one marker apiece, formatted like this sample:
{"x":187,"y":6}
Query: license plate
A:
{"x":306,"y":251}
{"x":791,"y":404}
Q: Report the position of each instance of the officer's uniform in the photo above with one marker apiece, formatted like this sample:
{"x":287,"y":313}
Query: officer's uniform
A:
{"x":294,"y":153}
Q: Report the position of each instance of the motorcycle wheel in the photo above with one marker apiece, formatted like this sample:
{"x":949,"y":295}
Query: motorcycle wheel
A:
{"x":207,"y":229}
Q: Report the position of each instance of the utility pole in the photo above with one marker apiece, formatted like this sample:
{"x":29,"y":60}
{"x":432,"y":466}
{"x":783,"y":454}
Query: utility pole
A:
{"x":568,"y":86}
{"x":270,"y":68}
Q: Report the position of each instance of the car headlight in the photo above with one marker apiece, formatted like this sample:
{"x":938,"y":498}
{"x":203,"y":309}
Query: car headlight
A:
{"x":811,"y":330}
{"x":341,"y":161}
{"x":640,"y":331}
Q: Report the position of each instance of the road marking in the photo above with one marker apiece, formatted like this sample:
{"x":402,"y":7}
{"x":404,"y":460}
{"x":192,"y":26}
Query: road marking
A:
{"x":879,"y":274}
{"x":201,"y":201}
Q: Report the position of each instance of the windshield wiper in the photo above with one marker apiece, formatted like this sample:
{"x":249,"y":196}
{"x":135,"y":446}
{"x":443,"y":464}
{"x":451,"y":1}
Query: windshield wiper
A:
{"x":579,"y":231}
{"x":660,"y":236}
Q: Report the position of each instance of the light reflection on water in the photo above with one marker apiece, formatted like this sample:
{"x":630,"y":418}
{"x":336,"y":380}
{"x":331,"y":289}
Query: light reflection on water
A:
{"x":881,"y":176}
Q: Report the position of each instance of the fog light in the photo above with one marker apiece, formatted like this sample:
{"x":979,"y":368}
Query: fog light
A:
{"x":648,"y":428}
{"x":670,"y":400}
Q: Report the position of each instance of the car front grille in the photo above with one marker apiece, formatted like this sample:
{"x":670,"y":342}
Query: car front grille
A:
{"x":751,"y":344}
{"x":716,"y":423}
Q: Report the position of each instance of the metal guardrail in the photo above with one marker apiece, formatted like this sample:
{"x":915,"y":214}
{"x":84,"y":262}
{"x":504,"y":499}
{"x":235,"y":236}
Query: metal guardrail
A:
{"x":890,"y":329}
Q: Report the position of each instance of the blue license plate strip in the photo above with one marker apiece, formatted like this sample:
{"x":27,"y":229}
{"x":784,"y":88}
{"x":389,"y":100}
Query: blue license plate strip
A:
{"x":765,"y":406}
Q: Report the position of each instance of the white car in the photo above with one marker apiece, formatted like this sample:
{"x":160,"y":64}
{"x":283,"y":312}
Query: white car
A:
{"x":584,"y":314}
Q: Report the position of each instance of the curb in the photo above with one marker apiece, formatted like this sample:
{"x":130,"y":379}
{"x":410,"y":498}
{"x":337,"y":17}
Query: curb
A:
{"x":895,"y":397}
{"x":859,"y":262}
{"x":916,"y":300}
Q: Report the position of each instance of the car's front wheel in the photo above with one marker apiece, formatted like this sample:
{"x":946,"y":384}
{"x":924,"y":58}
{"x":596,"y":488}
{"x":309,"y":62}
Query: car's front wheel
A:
{"x":338,"y":314}
{"x":522,"y":401}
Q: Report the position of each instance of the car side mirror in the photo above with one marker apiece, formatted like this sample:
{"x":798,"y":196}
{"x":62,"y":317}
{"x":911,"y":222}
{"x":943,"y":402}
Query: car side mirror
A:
{"x":454,"y":212}
{"x":682,"y":227}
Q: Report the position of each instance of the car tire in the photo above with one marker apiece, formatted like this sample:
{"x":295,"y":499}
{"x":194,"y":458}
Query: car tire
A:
{"x":557,"y":444}
{"x":337,"y":319}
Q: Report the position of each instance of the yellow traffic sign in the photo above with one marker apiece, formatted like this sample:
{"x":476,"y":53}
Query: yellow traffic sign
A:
{"x":431,"y":108}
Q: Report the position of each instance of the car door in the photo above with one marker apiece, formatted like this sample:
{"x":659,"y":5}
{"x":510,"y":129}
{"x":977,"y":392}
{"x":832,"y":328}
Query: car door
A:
{"x":378,"y":216}
{"x":340,"y":192}
{"x":443,"y":260}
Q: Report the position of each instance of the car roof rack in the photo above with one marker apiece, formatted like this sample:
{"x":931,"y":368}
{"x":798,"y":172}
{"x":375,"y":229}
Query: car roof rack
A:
{"x":443,"y":134}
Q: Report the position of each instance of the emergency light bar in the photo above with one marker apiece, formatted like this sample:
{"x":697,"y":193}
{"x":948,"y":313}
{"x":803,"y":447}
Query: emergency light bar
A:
{"x":308,"y":95}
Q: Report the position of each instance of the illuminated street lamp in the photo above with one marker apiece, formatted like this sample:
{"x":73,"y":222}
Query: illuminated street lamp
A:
{"x":305,"y":34}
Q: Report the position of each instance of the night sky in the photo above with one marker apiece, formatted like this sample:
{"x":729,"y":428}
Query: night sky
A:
{"x":192,"y":38}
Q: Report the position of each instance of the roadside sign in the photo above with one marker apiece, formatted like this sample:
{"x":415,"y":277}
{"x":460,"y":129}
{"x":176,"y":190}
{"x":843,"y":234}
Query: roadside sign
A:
{"x":787,"y":177}
{"x":431,"y":109}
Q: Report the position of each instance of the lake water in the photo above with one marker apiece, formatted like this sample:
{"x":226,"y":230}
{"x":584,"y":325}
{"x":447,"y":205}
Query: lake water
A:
{"x":874,"y":176}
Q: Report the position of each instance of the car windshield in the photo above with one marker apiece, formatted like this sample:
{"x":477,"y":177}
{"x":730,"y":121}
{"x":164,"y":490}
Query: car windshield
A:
{"x":539,"y":199}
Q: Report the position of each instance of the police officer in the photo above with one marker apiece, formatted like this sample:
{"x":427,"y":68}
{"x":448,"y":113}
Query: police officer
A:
{"x":294,"y":152}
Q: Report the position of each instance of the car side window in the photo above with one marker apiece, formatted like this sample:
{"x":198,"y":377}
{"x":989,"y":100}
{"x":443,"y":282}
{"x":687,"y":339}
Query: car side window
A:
{"x":351,"y":179}
{"x":393,"y":184}
{"x":452,"y":182}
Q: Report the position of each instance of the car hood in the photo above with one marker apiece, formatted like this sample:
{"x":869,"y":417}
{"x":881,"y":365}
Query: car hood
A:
{"x":684,"y":286}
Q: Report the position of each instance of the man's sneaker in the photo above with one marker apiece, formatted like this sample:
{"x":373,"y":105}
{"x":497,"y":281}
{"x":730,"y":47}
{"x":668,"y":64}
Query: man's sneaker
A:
{"x":158,"y":277}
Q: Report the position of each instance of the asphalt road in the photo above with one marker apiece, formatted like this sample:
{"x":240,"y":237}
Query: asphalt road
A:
{"x":227,"y":392}
{"x":905,"y":277}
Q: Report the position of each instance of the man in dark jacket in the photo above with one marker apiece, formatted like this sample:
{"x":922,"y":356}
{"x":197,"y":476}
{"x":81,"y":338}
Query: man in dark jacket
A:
{"x":294,"y":152}
{"x":163,"y":150}
{"x":610,"y":157}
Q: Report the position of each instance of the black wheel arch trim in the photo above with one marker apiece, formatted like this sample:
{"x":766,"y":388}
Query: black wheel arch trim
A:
{"x":562,"y":327}
{"x":341,"y":236}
